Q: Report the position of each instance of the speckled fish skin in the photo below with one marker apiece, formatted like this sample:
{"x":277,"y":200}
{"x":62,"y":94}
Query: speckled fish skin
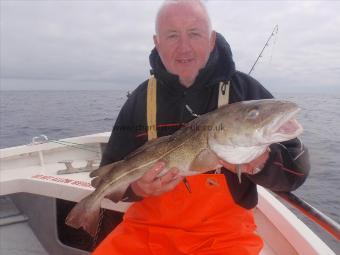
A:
{"x":236,"y":133}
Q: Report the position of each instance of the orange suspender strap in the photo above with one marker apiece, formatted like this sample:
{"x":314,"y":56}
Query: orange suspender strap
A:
{"x":151,"y":105}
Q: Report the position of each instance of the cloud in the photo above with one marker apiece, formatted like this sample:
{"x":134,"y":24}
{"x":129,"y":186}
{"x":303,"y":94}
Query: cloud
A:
{"x":111,"y":40}
{"x":306,"y":50}
{"x":75,"y":40}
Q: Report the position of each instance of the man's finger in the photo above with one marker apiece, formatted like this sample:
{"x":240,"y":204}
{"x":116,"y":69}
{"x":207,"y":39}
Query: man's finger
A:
{"x":151,"y":174}
{"x":259,"y":161}
{"x":155,"y":185}
{"x":170,"y":185}
{"x":227,"y":165}
{"x":170,"y":175}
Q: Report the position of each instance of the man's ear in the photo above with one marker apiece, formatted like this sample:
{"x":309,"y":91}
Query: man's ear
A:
{"x":155,"y":41}
{"x":212,"y":40}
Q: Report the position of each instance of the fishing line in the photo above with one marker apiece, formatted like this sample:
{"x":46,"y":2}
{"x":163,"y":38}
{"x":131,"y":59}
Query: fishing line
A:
{"x":73,"y":145}
{"x":44,"y":139}
{"x":275,"y":39}
{"x":289,"y":153}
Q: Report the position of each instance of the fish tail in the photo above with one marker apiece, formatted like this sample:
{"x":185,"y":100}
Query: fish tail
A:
{"x":85,"y":215}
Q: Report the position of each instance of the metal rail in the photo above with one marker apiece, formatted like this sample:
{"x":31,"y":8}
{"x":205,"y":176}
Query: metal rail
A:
{"x":328,"y":224}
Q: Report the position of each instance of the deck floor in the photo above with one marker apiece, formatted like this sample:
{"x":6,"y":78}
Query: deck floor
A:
{"x":16,"y":236}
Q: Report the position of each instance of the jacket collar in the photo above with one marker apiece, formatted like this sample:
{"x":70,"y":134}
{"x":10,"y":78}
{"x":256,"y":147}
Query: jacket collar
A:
{"x":220,"y":67}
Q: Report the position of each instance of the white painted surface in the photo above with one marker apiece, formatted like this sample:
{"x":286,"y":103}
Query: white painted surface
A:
{"x":302,"y":238}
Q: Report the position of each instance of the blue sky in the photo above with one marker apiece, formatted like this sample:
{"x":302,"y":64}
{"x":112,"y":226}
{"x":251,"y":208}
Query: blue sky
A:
{"x":105,"y":44}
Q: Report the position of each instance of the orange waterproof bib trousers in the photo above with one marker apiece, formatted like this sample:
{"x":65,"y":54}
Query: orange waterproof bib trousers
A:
{"x":206,"y":221}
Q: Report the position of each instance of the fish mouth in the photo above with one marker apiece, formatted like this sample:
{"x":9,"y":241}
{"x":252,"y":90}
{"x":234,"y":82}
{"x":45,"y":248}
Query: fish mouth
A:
{"x":287,"y":127}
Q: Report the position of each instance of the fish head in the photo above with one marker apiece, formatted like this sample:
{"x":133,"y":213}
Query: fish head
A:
{"x":257,"y":123}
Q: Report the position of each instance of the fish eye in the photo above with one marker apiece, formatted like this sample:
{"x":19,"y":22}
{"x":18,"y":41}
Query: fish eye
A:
{"x":253,"y":114}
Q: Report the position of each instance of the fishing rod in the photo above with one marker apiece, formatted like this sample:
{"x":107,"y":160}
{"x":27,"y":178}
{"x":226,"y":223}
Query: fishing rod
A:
{"x":318,"y":217}
{"x":274,"y":32}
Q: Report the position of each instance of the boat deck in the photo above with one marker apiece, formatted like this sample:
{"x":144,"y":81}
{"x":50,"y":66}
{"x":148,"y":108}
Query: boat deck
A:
{"x":16,"y":236}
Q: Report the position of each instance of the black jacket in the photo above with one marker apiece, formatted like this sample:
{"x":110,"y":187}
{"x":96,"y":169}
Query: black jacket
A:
{"x":281,"y":171}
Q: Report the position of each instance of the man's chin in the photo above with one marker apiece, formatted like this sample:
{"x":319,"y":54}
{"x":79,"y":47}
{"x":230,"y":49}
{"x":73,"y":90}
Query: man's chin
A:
{"x":187,"y":82}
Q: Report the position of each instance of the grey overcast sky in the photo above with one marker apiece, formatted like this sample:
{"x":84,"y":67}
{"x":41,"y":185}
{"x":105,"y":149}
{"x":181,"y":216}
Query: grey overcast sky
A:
{"x":106,"y":44}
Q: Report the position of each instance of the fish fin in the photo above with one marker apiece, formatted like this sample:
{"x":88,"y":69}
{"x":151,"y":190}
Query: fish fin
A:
{"x":206,"y":160}
{"x":101,"y":171}
{"x":239,"y":172}
{"x":85,"y":215}
{"x":118,"y":194}
{"x":96,"y":181}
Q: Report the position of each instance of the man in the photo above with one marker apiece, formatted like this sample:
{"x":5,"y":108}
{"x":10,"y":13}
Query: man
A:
{"x":189,"y":62}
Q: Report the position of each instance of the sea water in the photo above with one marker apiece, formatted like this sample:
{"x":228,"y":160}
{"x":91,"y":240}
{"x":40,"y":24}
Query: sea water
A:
{"x":62,"y":114}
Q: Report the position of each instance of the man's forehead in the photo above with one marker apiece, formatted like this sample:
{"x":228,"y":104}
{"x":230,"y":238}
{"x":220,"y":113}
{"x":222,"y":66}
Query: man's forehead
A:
{"x":181,"y":19}
{"x":186,"y":23}
{"x":182,"y":8}
{"x":182,"y":13}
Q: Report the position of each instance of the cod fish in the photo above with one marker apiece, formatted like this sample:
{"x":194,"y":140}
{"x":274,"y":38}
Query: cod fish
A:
{"x":236,"y":133}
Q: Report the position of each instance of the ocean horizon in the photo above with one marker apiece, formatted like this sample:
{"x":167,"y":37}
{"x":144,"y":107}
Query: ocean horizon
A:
{"x":11,"y":84}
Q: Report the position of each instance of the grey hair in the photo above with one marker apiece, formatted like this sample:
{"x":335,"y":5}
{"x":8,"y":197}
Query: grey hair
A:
{"x":169,"y":2}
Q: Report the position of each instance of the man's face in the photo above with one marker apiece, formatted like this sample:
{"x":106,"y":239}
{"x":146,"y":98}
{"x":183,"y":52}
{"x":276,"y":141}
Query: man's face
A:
{"x":183,"y":41}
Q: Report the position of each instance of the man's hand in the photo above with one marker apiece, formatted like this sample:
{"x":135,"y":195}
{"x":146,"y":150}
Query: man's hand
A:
{"x":252,"y":167}
{"x":151,"y":185}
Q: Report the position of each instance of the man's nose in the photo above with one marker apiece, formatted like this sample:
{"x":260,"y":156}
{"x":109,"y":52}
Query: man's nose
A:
{"x":184,"y":44}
